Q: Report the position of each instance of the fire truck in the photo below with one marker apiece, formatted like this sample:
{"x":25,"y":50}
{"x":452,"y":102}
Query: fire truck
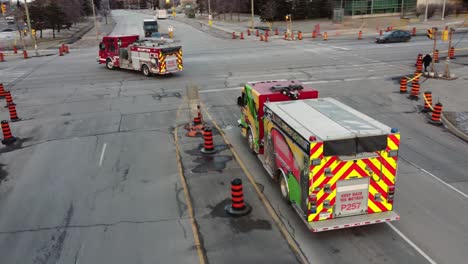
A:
{"x":150,"y":56}
{"x":334,"y":165}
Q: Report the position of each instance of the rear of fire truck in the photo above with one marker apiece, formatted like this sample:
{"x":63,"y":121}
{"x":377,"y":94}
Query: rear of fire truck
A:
{"x":335,"y":165}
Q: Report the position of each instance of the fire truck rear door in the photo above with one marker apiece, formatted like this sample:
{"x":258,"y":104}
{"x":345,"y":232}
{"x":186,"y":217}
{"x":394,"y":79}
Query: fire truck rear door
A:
{"x":351,"y":197}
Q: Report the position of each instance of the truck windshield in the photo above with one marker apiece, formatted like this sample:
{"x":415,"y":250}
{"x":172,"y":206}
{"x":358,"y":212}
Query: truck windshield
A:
{"x":353,"y":146}
{"x":150,"y":25}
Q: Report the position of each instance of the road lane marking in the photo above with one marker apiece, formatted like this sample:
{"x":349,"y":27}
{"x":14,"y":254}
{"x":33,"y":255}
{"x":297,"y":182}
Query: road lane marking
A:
{"x":102,"y":154}
{"x":196,"y":234}
{"x":220,"y":90}
{"x":415,"y":247}
{"x":437,"y":178}
{"x":289,"y":239}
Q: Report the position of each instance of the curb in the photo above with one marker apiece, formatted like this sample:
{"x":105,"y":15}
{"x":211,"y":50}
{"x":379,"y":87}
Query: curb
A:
{"x":214,"y":31}
{"x":452,"y":128}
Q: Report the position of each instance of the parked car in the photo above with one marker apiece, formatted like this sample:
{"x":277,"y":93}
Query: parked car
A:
{"x":394,"y":36}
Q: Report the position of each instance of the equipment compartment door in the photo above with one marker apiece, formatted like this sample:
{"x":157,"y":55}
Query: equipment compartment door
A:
{"x":136,"y":60}
{"x":351,"y":197}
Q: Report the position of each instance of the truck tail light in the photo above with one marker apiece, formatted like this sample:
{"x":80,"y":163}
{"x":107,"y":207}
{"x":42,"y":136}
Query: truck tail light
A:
{"x":391,"y":193}
{"x":313,"y":204}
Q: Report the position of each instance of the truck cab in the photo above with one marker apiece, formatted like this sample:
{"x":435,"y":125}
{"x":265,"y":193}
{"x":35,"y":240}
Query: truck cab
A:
{"x":256,"y":94}
{"x":150,"y":26}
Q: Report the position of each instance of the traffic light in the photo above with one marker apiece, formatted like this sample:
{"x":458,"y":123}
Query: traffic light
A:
{"x":430,"y":33}
{"x":3,"y":8}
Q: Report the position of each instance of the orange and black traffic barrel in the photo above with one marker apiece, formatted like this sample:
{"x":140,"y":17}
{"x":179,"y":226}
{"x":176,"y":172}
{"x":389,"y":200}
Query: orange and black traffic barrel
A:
{"x":8,"y":138}
{"x":436,"y":115}
{"x":238,"y":206}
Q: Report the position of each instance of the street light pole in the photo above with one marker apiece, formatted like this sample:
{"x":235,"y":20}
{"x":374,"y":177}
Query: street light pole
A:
{"x":252,"y":18}
{"x":425,"y":16}
{"x":443,"y":10}
{"x":30,"y":29}
{"x":95,"y":20}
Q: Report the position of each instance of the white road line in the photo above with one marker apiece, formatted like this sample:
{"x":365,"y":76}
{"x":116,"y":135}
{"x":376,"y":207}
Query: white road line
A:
{"x":437,"y":178}
{"x":420,"y":251}
{"x":102,"y":154}
{"x":220,"y":90}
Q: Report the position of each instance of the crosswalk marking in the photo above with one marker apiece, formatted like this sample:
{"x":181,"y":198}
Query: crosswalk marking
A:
{"x":9,"y":75}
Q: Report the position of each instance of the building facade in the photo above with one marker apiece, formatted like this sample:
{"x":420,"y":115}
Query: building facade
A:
{"x":375,"y":7}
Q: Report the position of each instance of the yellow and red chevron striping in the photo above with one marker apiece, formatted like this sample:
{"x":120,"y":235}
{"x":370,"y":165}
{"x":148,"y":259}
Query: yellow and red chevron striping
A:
{"x":381,"y":170}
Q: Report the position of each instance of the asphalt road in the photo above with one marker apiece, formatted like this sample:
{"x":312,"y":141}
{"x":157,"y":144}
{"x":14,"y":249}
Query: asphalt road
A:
{"x":94,"y":178}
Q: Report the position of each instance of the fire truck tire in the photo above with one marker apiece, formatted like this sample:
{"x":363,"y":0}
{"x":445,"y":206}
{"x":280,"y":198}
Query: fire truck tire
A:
{"x":283,"y":186}
{"x":109,"y":64}
{"x":145,"y":70}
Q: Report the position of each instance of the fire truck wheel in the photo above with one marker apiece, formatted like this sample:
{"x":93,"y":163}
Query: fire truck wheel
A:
{"x":283,"y":188}
{"x":109,"y":64}
{"x":146,"y":71}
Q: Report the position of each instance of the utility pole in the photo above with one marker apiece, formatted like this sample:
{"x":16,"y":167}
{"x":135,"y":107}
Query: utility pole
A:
{"x":443,"y":10}
{"x":30,"y":29}
{"x":425,"y":16}
{"x":210,"y":17}
{"x":95,"y":20}
{"x":447,"y":60}
{"x":252,"y":18}
{"x":433,"y":49}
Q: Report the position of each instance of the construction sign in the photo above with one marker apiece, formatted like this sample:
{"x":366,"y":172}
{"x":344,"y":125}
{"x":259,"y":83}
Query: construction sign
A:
{"x":3,"y":8}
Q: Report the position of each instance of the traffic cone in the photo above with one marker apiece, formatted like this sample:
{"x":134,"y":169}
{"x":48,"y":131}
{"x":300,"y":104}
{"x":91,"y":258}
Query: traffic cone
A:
{"x":242,"y":35}
{"x":238,"y":206}
{"x":436,"y":56}
{"x":419,"y":66}
{"x":299,"y":35}
{"x":25,"y":54}
{"x":197,"y":120}
{"x":414,"y":31}
{"x":208,"y":146}
{"x":427,"y":102}
{"x":325,"y":36}
{"x":248,"y":32}
{"x":314,"y":34}
{"x":15,"y":49}
{"x":2,"y":58}
{"x":436,"y":114}
{"x":360,"y":35}
{"x":452,"y":53}
{"x":13,"y":114}
{"x":2,"y":91}
{"x":60,"y":51}
{"x":403,"y":85}
{"x":276,"y":32}
{"x":8,"y":98}
{"x":418,"y":59}
{"x":8,"y":138}
{"x":67,"y":49}
{"x":414,"y":91}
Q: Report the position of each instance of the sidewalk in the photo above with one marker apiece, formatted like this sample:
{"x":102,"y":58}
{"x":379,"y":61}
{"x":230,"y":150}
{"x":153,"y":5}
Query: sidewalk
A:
{"x":368,"y":26}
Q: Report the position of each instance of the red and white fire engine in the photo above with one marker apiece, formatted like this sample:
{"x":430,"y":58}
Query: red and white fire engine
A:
{"x":150,"y":56}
